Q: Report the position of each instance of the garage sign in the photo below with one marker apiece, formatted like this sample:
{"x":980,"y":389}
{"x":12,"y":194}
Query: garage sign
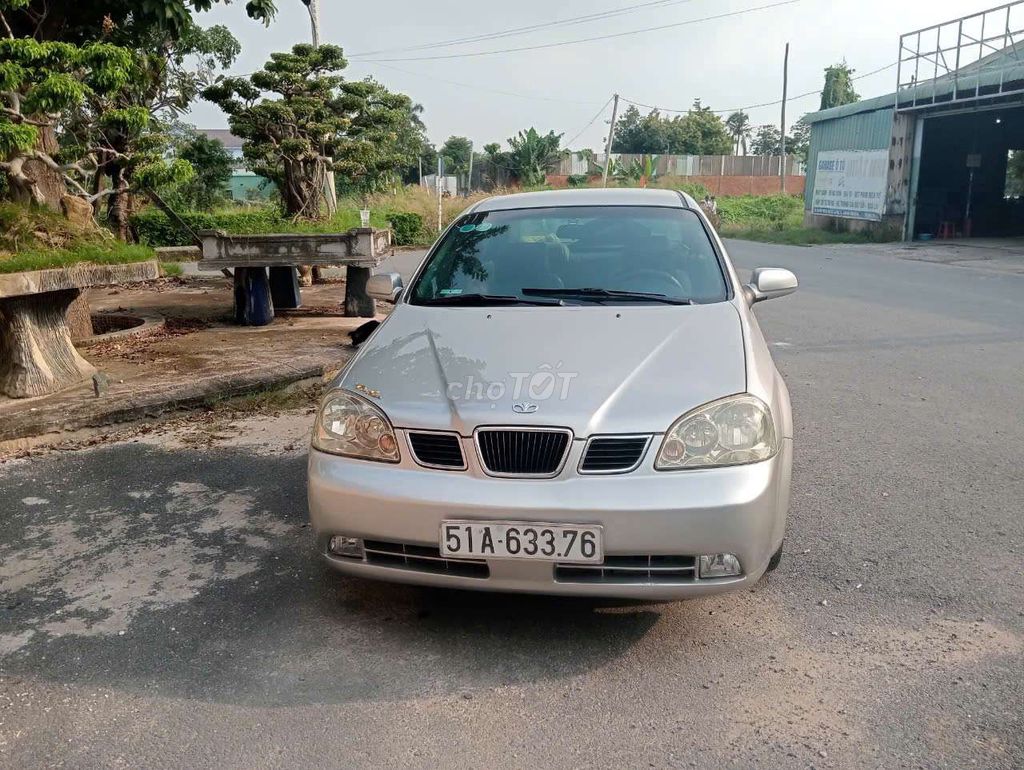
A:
{"x":851,"y":184}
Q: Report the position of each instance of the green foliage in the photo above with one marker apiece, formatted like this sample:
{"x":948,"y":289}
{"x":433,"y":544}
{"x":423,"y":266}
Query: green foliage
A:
{"x":407,"y":227}
{"x":1015,"y":174}
{"x":111,"y":253}
{"x":532,"y":155}
{"x":212,"y":165}
{"x":838,"y":89}
{"x":767,"y":141}
{"x":762,"y":211}
{"x":123,"y":22}
{"x":300,"y":118}
{"x":699,"y":132}
{"x":739,"y":128}
{"x":15,"y":138}
{"x":456,"y":152}
{"x":155,"y":229}
{"x":577,"y":180}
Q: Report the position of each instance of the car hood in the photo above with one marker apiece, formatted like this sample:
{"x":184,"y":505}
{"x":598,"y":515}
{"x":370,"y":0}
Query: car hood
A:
{"x":594,"y":369}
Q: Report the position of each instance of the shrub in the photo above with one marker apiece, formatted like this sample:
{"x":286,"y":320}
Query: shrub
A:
{"x":407,"y":227}
{"x":154,"y":228}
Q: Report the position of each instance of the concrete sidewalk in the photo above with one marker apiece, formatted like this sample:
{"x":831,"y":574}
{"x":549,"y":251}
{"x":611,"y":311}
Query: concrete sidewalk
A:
{"x":1004,"y":255}
{"x":199,"y":356}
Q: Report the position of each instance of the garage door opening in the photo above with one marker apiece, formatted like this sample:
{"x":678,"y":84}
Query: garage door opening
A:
{"x":971,"y":182}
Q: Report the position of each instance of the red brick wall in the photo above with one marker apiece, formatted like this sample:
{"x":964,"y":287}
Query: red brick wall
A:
{"x":724,"y":185}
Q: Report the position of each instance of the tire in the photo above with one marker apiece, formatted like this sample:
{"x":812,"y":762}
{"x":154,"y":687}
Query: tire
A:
{"x":773,"y":563}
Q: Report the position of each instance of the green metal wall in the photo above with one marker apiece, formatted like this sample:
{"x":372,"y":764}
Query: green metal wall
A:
{"x":863,"y":131}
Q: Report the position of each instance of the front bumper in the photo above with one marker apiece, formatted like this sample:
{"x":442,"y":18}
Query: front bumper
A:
{"x":740,"y":510}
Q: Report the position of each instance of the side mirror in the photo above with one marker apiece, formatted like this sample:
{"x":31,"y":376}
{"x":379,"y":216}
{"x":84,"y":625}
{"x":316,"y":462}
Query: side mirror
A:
{"x":770,"y":283}
{"x":385,"y":286}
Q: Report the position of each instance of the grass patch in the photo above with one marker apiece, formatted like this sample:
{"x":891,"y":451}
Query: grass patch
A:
{"x":171,"y":269}
{"x":98,"y":254}
{"x":297,"y":395}
{"x":38,"y":239}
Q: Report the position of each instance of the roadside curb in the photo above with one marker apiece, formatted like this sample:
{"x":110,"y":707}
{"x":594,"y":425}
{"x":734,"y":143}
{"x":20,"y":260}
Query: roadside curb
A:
{"x":19,"y":430}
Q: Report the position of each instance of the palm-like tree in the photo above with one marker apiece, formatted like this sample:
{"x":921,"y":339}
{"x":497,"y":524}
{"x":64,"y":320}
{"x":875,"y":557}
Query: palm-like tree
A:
{"x":739,"y":128}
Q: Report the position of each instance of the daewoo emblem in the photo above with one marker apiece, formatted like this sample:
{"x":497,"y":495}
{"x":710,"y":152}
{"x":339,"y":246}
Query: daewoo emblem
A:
{"x":524,"y":407}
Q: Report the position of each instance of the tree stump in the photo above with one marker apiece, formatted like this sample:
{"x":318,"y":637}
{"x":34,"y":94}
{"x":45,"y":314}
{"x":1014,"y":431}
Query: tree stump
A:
{"x":358,"y":304}
{"x":36,"y":354}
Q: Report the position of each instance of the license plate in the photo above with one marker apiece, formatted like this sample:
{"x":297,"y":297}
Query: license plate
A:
{"x":520,"y":540}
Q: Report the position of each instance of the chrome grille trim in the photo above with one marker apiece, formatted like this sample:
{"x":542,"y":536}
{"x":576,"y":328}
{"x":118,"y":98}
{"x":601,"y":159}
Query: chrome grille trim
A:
{"x":421,"y":558}
{"x":423,"y":437}
{"x":503,"y":449}
{"x":631,"y":570}
{"x":605,"y":444}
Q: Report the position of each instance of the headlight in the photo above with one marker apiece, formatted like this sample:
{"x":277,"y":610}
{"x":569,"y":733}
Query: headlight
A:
{"x":350,"y":425}
{"x":734,"y":431}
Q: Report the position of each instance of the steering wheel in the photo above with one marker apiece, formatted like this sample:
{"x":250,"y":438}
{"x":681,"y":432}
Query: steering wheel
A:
{"x":640,"y":280}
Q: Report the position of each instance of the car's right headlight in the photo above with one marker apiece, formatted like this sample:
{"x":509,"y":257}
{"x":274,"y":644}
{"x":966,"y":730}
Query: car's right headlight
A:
{"x":350,"y":425}
{"x":737,"y":430}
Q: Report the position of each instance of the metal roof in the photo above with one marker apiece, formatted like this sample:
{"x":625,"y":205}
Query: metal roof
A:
{"x":583,"y":197}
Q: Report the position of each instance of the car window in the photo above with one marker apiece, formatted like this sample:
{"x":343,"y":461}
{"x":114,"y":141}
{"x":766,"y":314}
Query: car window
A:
{"x":641,"y":249}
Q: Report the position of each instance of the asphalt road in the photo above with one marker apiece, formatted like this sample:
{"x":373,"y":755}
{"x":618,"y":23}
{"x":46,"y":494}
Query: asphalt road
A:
{"x":160,"y":605}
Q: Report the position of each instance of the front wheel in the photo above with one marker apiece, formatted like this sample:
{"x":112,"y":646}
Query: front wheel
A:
{"x":773,"y":563}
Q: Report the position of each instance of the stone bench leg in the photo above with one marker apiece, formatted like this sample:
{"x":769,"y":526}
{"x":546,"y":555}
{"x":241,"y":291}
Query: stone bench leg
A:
{"x":253,"y":306}
{"x":358,"y":304}
{"x":36,"y":354}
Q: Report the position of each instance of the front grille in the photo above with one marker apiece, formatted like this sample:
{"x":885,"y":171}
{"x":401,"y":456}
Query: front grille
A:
{"x":614,"y":454}
{"x":511,"y":452}
{"x":422,"y":558}
{"x":631,"y":570}
{"x":437,"y":450}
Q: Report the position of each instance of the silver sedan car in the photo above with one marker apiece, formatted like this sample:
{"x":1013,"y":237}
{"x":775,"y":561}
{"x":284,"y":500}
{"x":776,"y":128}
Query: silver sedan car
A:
{"x":572,"y":396}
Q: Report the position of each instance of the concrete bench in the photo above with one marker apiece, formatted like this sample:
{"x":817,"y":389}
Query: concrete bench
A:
{"x":36,"y":353}
{"x":258,"y":292}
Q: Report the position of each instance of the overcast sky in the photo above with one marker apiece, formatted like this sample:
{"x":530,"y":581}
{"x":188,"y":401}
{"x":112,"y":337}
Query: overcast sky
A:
{"x":727,"y":62}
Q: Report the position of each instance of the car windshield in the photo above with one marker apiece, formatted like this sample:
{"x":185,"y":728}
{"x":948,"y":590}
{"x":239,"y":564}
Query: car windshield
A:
{"x":574,"y":255}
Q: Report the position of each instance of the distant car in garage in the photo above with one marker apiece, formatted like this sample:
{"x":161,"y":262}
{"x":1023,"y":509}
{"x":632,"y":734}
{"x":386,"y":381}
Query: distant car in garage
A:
{"x":572,"y":397}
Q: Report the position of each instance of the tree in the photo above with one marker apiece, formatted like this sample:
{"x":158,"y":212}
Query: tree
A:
{"x":532,"y":155}
{"x":799,"y":144}
{"x":456,"y":152}
{"x":838,"y":88}
{"x":213,"y":165}
{"x":123,"y":22}
{"x":699,"y":132}
{"x":1015,"y":174}
{"x":39,"y":83}
{"x":300,"y":118}
{"x":767,"y":141}
{"x":738,"y":125}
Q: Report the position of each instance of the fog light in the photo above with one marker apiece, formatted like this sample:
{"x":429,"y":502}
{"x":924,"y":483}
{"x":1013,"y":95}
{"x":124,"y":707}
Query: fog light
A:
{"x":719,"y":565}
{"x":351,"y":547}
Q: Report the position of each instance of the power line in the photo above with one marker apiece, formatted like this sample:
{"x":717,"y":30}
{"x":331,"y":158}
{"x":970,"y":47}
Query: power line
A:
{"x":484,"y":89}
{"x":583,"y":130}
{"x":590,"y":39}
{"x":815,"y":92}
{"x":599,"y":16}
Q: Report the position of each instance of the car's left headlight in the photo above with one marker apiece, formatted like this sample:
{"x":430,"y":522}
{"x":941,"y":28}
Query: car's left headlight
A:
{"x":350,"y":425}
{"x":737,"y":430}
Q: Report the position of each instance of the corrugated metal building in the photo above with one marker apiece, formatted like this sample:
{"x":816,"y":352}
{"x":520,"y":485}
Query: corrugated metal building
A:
{"x":936,"y":158}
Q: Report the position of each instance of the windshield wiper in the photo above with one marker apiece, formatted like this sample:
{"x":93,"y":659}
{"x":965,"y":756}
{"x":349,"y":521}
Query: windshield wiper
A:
{"x":599,"y":294}
{"x":483,"y":300}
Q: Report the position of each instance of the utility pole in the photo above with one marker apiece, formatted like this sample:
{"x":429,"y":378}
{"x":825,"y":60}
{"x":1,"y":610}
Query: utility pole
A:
{"x":421,"y":170}
{"x":313,"y":6}
{"x":469,"y":177}
{"x":611,"y":135}
{"x":785,"y":94}
{"x":330,"y":194}
{"x":437,"y":189}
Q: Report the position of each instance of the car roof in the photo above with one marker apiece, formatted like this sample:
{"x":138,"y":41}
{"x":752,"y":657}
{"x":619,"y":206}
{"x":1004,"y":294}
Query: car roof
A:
{"x":587,"y":197}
